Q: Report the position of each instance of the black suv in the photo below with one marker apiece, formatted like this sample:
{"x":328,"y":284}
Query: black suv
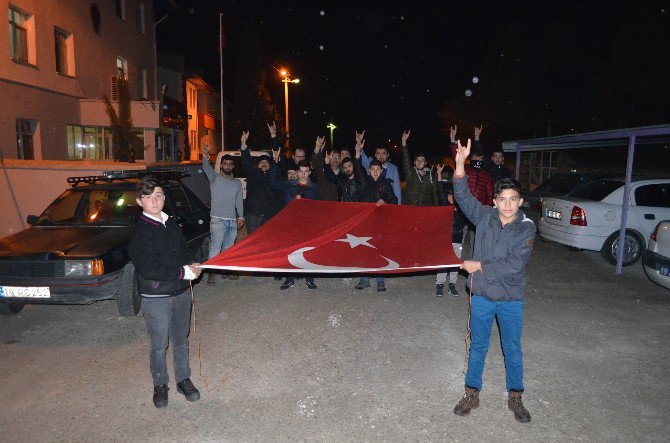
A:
{"x":76,"y":252}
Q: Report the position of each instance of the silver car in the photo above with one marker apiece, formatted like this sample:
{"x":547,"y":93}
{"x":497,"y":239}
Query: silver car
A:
{"x":656,"y":259}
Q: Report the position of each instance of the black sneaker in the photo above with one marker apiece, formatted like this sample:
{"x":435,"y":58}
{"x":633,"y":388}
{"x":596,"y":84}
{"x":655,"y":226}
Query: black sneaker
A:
{"x":287,"y":284}
{"x":362,"y":284}
{"x":190,"y":392}
{"x":439,"y":290}
{"x":161,"y":396}
{"x":452,"y":290}
{"x":381,"y":286}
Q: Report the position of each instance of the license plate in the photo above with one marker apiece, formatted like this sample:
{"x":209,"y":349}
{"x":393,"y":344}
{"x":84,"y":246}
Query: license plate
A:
{"x":664,"y":270}
{"x":556,"y":215}
{"x":24,"y":292}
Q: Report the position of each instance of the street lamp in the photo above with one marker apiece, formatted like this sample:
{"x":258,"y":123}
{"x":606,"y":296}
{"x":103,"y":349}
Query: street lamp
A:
{"x":286,"y":80}
{"x":331,"y":127}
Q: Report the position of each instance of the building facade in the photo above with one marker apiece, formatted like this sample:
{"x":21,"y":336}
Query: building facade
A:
{"x":59,"y":58}
{"x":204,"y":121}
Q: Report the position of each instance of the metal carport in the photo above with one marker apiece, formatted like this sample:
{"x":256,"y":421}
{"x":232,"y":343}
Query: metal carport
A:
{"x":615,"y":137}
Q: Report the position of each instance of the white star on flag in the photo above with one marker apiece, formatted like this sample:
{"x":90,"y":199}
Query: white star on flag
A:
{"x":356,"y":241}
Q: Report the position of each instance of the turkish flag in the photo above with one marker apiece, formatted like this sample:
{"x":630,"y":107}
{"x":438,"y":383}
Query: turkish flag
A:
{"x":320,"y":237}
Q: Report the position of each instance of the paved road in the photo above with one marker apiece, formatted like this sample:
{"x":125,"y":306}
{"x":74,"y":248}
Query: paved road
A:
{"x":337,"y":364}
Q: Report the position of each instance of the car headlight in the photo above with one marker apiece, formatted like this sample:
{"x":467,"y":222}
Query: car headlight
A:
{"x":83,"y":268}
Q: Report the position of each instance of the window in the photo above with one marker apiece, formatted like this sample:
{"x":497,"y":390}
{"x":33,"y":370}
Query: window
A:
{"x":64,"y":52}
{"x":597,"y":190}
{"x":89,"y":143}
{"x":120,"y":7}
{"x":653,"y":195}
{"x":25,"y":133}
{"x":122,"y":67}
{"x":139,"y":18}
{"x":181,"y":203}
{"x":18,"y":35}
{"x":142,"y":83}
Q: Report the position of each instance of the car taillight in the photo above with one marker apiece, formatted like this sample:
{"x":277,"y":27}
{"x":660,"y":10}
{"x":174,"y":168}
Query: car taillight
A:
{"x":578,"y":216}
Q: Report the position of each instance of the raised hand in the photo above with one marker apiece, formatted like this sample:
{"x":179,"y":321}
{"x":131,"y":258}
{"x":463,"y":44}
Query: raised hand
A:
{"x":478,"y":131}
{"x":360,"y":136}
{"x":405,"y":136}
{"x":275,"y":155}
{"x":440,"y":168}
{"x":462,"y":153}
{"x":359,"y":147}
{"x":452,"y":133}
{"x":320,"y":144}
{"x":273,"y":129}
{"x":328,"y":158}
{"x":205,"y":151}
{"x":244,"y":138}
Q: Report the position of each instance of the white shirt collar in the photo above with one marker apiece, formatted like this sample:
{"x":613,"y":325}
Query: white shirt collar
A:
{"x":164,"y":217}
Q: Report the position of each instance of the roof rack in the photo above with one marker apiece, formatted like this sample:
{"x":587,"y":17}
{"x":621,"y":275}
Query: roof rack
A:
{"x":108,"y":176}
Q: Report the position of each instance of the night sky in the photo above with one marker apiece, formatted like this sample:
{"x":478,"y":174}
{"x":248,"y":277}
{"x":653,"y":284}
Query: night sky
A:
{"x":543,"y":67}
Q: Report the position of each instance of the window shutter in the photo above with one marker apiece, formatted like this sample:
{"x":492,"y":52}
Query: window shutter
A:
{"x":115,"y":89}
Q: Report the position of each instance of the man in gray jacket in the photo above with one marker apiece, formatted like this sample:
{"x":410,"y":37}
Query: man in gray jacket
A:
{"x":227,"y":214}
{"x":503,"y":243}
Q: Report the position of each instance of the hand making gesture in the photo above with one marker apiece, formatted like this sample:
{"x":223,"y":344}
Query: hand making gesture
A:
{"x":273,"y":129}
{"x":405,"y":136}
{"x":359,"y":148}
{"x":478,"y":132}
{"x":328,"y":158}
{"x":244,"y":138}
{"x":320,"y":144}
{"x":452,"y":133}
{"x":462,"y":153}
{"x":360,"y":136}
{"x":205,"y":151}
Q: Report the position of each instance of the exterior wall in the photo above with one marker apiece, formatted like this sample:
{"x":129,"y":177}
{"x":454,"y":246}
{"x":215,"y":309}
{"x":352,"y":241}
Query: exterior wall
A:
{"x":39,"y":92}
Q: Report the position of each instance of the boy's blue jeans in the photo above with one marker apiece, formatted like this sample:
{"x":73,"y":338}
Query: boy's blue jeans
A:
{"x":223,"y":235}
{"x":510,"y":323}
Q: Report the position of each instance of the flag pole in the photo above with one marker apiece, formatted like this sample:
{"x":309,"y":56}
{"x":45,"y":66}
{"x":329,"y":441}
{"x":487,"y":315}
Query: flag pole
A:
{"x":223,"y":143}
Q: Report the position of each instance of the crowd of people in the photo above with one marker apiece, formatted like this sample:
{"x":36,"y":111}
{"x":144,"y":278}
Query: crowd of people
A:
{"x":486,"y":204}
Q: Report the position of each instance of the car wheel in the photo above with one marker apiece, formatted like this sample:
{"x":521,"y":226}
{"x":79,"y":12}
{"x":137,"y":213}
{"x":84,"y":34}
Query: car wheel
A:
{"x":632,"y":248}
{"x":202,"y":254}
{"x":128,"y":299}
{"x":10,"y":308}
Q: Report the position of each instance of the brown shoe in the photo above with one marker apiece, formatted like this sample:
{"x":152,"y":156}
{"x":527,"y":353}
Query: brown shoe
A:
{"x":210,"y":279}
{"x":515,"y":405}
{"x":469,"y":402}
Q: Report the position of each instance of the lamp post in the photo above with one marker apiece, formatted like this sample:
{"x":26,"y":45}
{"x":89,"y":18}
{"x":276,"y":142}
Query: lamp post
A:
{"x":331,"y":127}
{"x":286,"y":80}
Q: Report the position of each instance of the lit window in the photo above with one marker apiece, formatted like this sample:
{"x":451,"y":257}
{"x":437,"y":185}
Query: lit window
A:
{"x":122,"y":67}
{"x":25,"y":134}
{"x":139,"y":18}
{"x":64,"y":52}
{"x":18,"y":35}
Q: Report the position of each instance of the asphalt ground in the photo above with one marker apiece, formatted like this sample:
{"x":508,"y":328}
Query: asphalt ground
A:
{"x":338,"y":364}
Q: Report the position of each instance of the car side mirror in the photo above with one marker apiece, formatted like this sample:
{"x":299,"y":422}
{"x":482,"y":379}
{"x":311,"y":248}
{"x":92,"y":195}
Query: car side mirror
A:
{"x":32,"y":219}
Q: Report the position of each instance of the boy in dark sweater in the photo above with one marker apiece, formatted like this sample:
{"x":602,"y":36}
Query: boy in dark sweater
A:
{"x":163,"y":267}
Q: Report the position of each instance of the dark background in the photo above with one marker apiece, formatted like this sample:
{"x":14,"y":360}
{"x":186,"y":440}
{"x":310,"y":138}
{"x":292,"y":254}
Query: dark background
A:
{"x":544,"y":68}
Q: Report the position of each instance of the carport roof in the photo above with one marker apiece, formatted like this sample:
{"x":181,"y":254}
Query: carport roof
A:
{"x":614,"y":137}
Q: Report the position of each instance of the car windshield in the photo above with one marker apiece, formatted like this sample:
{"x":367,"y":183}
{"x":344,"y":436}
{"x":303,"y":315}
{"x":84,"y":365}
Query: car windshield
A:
{"x":91,"y":207}
{"x":559,"y":184}
{"x":596,"y":190}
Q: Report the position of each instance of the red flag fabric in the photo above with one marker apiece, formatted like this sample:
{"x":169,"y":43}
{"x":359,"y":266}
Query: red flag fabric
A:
{"x":320,"y":237}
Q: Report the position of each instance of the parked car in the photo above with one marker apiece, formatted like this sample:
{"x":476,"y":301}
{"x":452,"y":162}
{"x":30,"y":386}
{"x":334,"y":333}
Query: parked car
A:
{"x":590,"y":217}
{"x":559,"y":185}
{"x":656,"y":258}
{"x":76,"y":252}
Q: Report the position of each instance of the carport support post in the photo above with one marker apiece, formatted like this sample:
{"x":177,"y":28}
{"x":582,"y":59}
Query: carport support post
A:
{"x":624,"y":206}
{"x":517,"y":172}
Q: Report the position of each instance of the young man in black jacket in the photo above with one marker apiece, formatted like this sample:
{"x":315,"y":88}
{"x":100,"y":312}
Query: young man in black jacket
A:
{"x":163,"y":267}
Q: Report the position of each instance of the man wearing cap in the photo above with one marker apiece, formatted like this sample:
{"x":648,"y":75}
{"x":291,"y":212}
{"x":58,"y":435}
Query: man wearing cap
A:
{"x":262,"y":203}
{"x":421,"y":184}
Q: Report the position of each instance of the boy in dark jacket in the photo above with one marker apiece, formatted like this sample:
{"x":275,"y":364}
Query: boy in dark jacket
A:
{"x":503,"y":243}
{"x":376,"y":189}
{"x":421,"y":186}
{"x":163,"y":267}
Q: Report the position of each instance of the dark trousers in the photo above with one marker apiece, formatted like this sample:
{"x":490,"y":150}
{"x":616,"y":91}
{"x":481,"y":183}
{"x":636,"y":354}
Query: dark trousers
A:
{"x":253,"y":222}
{"x":168,"y":320}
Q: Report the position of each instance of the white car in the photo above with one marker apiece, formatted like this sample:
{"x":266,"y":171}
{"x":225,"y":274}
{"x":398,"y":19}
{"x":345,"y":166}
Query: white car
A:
{"x":656,"y":258}
{"x":590,"y":217}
